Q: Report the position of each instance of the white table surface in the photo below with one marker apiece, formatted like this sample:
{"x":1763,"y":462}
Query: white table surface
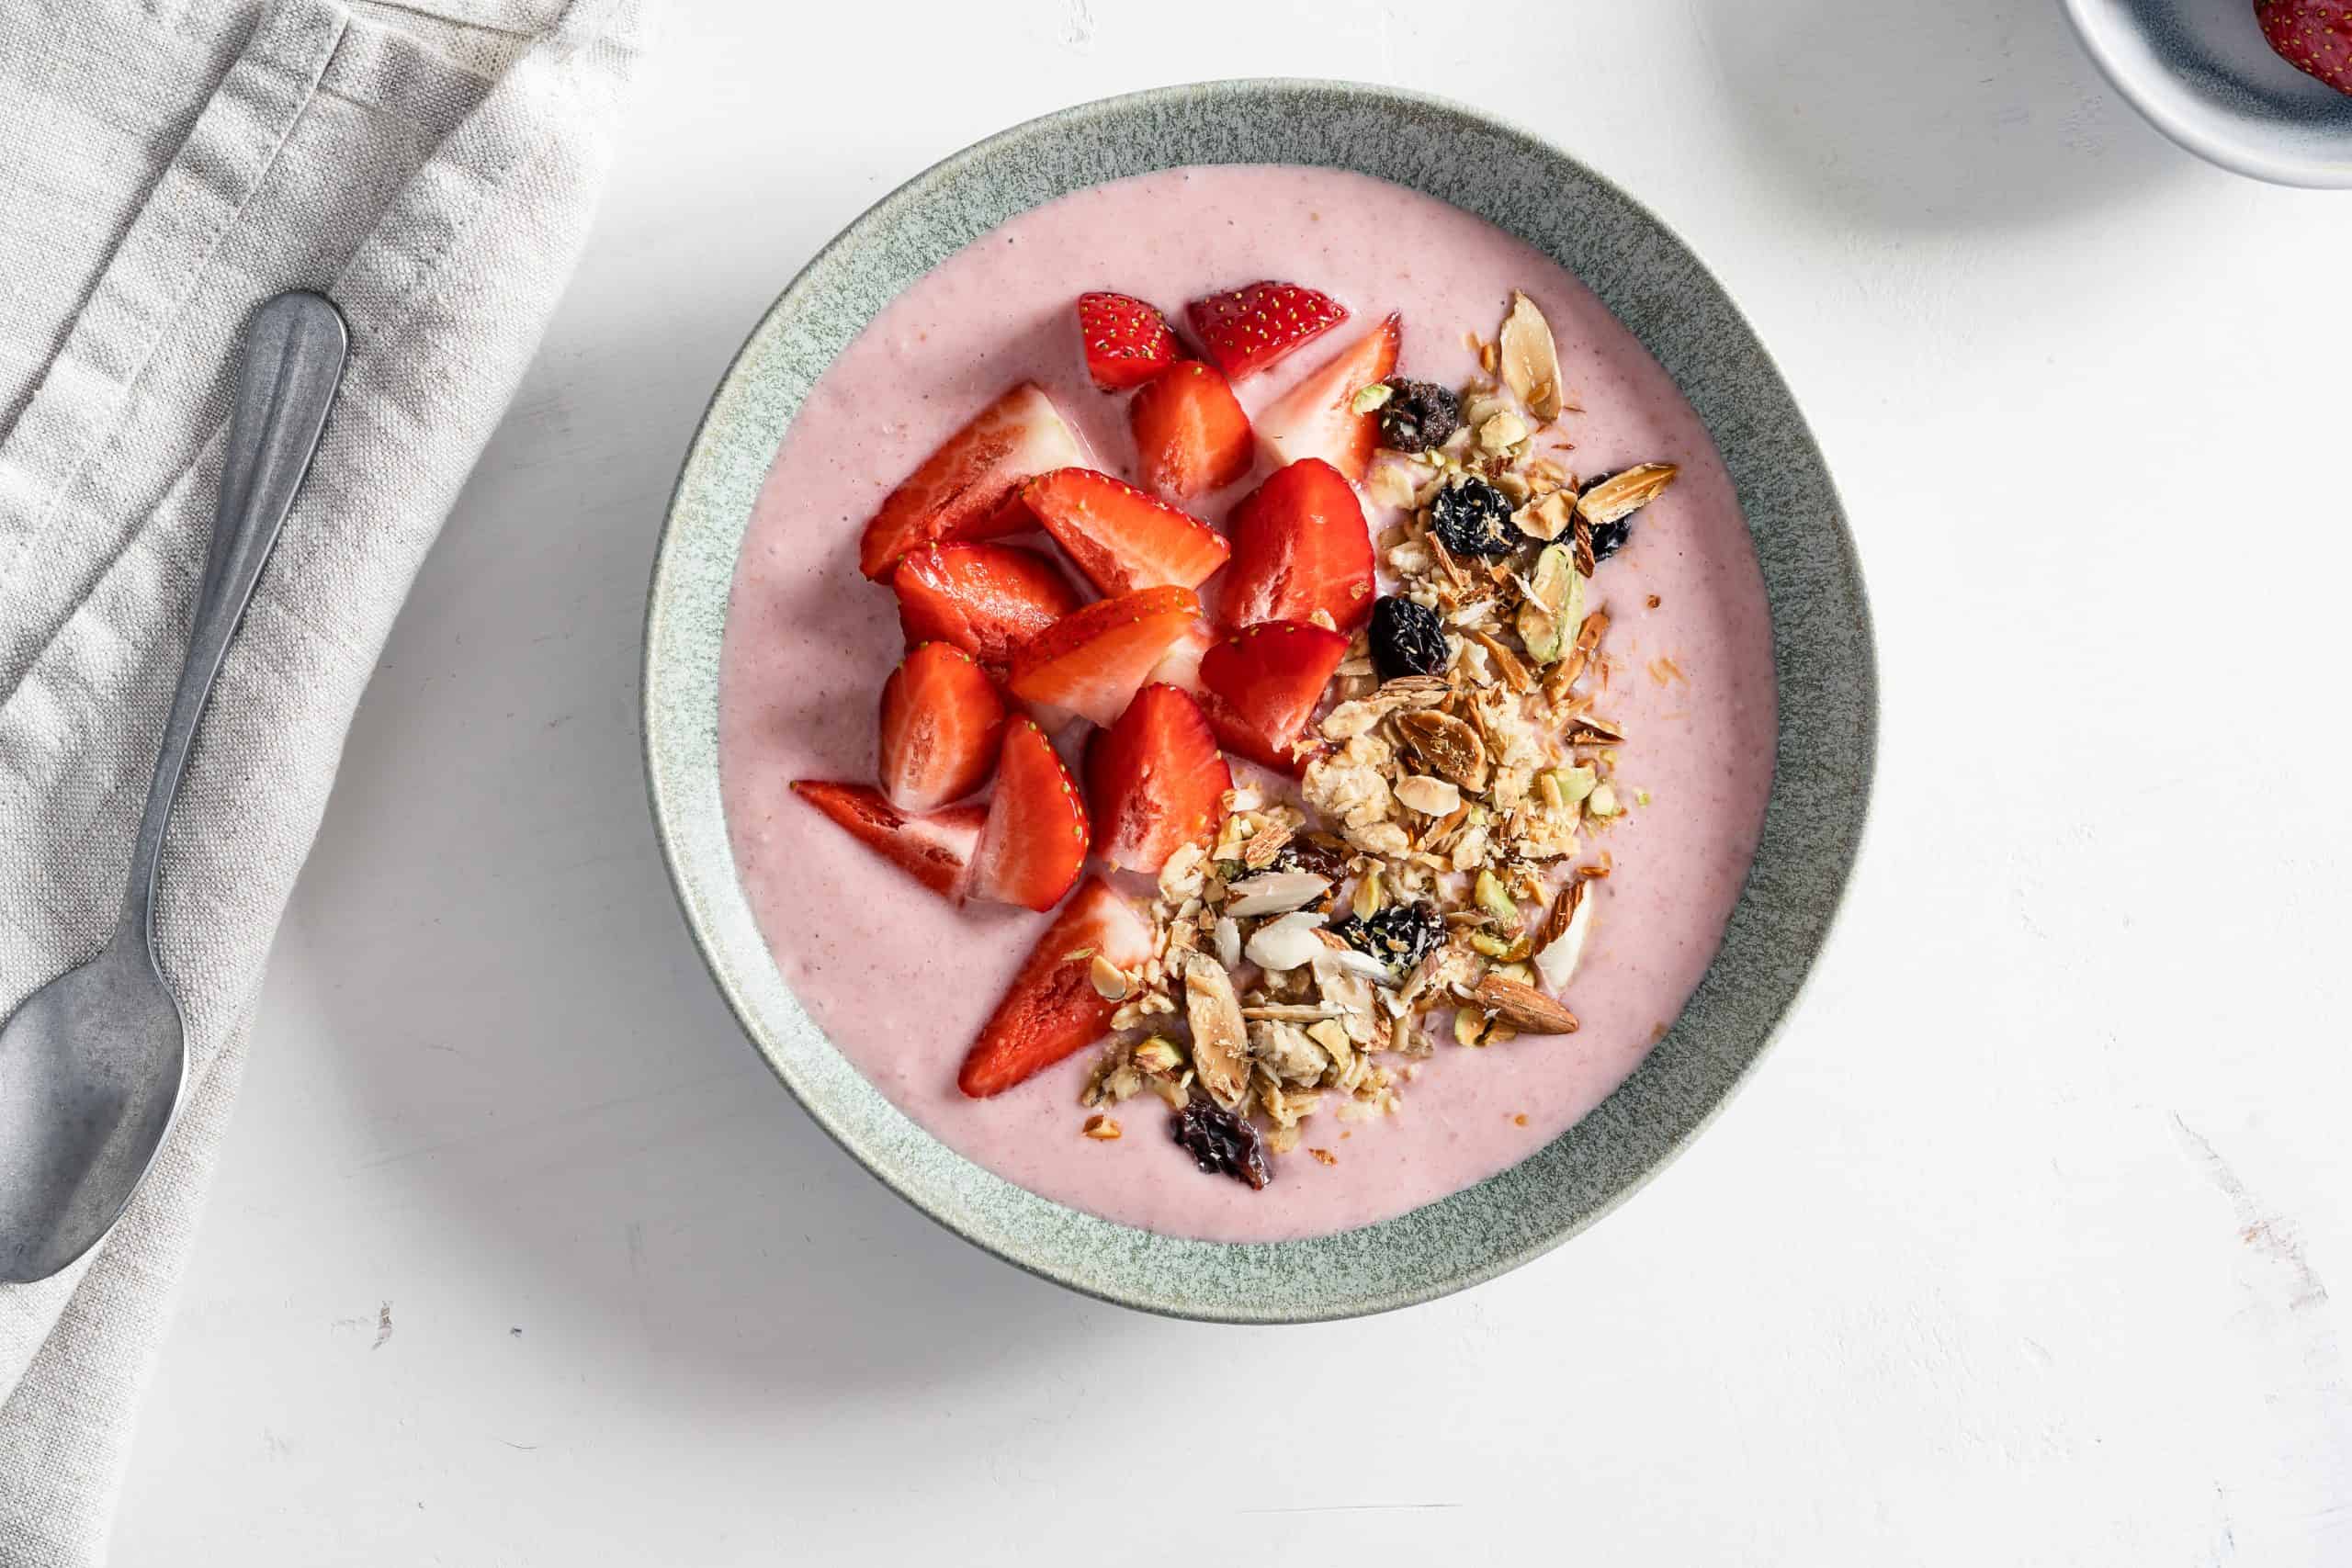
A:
{"x":2018,"y":1250}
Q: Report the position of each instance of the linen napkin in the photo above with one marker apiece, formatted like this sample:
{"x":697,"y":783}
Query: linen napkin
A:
{"x":165,"y":167}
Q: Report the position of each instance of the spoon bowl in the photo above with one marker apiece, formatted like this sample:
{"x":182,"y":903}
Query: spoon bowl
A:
{"x":90,"y":1068}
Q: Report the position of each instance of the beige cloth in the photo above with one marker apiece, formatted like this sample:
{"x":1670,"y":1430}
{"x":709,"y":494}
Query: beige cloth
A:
{"x":164,"y":165}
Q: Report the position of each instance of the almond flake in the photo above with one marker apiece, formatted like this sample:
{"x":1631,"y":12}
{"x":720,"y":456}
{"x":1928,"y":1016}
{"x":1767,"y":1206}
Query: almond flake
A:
{"x":1530,"y":361}
{"x":1429,"y":797}
{"x":1620,"y":495}
{"x":1220,"y":1041}
{"x":1102,"y":1129}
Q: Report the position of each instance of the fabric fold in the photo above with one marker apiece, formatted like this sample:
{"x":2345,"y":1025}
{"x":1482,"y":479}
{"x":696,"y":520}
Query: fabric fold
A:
{"x":434,"y":171}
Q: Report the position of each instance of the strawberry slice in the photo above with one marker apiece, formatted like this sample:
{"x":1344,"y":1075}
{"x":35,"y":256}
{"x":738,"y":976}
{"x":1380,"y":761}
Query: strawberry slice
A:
{"x":1128,"y":342}
{"x":1300,"y":545}
{"x":1053,"y":1008}
{"x":960,"y":492}
{"x":941,"y":723}
{"x":934,"y":850}
{"x":1155,"y":780}
{"x":1181,"y":666}
{"x":1250,"y":329}
{"x":1091,"y":661}
{"x":1033,"y":845}
{"x":986,"y":599}
{"x":1120,"y":537}
{"x":1318,"y":417}
{"x":1191,"y":435}
{"x":1259,"y":687}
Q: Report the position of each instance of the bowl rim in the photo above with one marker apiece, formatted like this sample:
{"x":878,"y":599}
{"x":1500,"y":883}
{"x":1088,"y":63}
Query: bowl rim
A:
{"x":2252,"y":159}
{"x":1349,"y":1273}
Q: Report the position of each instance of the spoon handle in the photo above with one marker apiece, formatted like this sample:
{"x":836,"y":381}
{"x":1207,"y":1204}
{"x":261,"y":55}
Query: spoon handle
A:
{"x":295,"y":347}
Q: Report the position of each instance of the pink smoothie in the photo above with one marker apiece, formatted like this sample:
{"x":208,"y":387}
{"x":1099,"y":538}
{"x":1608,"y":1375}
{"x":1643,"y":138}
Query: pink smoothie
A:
{"x":900,"y":981}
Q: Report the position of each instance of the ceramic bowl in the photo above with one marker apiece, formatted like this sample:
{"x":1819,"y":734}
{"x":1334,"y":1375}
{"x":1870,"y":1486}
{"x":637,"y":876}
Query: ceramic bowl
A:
{"x":2202,"y":74}
{"x":1821,"y":642}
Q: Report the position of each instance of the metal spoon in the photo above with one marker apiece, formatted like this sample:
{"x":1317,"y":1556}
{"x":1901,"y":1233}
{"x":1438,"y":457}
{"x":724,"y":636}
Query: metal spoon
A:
{"x":91,"y":1064}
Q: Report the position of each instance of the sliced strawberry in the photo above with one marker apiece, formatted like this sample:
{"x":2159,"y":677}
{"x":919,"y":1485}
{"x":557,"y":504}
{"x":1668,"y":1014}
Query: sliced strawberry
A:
{"x":986,"y":599}
{"x":1181,"y":666}
{"x":1248,"y":329}
{"x":961,"y":490}
{"x":934,"y":850}
{"x":1259,"y":687}
{"x":1034,"y":843}
{"x":1155,"y":781}
{"x":1191,"y":435}
{"x":1091,"y":661}
{"x":1300,"y":545}
{"x":1053,"y":1008}
{"x":1120,"y":537}
{"x":941,"y":723}
{"x":1126,"y":341}
{"x":1318,"y":418}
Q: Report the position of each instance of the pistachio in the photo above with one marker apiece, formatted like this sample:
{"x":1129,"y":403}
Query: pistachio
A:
{"x":1495,"y":898}
{"x":1602,"y":803}
{"x":1159,"y":1057}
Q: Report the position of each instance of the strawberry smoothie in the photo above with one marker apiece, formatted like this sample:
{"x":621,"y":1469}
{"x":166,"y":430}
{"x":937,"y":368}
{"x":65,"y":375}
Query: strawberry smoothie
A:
{"x":901,"y":980}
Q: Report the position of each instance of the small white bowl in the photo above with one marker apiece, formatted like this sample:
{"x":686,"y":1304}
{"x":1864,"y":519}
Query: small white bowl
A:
{"x":2202,"y":74}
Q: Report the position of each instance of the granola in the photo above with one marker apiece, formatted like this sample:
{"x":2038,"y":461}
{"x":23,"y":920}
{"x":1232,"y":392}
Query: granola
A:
{"x":1426,"y":883}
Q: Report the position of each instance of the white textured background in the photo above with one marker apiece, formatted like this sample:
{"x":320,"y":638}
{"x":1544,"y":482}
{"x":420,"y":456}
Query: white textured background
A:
{"x":2018,"y":1250}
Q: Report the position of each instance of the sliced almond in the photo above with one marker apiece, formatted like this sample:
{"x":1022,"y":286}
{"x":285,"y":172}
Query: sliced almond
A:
{"x":1622,"y":494}
{"x":1523,"y":1008}
{"x":1284,"y":944}
{"x":1506,"y":663}
{"x":1431,"y":796}
{"x":1220,"y":1041}
{"x":1530,"y":361}
{"x":1273,"y":893}
{"x":1446,"y":744}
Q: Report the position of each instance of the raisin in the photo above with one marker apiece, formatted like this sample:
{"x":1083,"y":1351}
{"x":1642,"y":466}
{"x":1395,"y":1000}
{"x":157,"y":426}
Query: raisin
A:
{"x":1407,"y":640}
{"x":1473,"y":519}
{"x":1318,"y":854}
{"x":1220,"y":1143}
{"x":1418,"y":416}
{"x":1399,"y":936}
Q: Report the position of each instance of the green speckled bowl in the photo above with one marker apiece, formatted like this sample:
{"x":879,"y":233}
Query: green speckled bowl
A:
{"x":1821,"y":637}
